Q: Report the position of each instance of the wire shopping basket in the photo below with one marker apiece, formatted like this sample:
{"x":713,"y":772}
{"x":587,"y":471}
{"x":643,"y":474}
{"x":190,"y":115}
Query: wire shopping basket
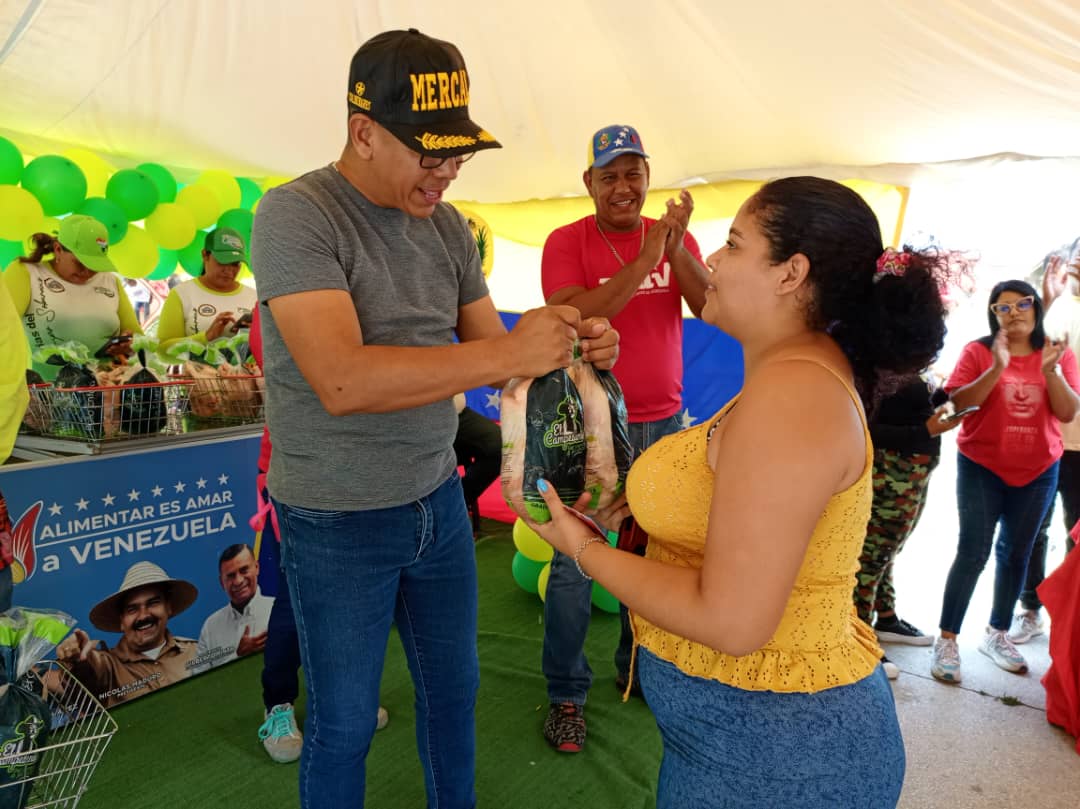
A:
{"x":229,"y":399}
{"x":107,"y":412}
{"x":57,"y":774}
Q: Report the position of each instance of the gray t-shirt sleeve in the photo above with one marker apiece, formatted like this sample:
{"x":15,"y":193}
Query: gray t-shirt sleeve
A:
{"x":293,"y":247}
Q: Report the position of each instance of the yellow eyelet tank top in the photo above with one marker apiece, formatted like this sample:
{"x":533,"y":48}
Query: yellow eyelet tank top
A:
{"x":820,"y":642}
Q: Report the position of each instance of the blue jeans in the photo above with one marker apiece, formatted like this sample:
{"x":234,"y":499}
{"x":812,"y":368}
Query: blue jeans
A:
{"x":352,"y":574}
{"x":983,"y":500}
{"x":568,"y":604}
{"x":281,"y":656}
{"x":728,"y":748}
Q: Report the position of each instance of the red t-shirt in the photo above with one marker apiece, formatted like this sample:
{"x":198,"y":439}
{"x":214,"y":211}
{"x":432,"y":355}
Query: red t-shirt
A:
{"x":650,"y":325}
{"x":1014,"y":433}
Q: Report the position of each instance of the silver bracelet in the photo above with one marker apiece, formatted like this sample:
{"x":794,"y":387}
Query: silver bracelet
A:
{"x":581,"y":549}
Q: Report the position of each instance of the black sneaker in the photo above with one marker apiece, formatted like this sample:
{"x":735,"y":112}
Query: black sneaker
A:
{"x":635,"y":689}
{"x":564,"y":727}
{"x":897,"y":630}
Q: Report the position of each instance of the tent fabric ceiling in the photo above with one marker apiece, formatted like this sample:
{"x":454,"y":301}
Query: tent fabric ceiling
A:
{"x":257,"y":87}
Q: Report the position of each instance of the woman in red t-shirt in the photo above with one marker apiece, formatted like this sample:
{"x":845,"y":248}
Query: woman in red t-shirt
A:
{"x":1024,"y":386}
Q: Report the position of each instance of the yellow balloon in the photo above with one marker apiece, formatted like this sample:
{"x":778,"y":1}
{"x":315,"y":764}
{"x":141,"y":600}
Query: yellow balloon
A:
{"x":171,"y":225}
{"x":202,"y":201}
{"x":542,"y":580}
{"x":50,"y":225}
{"x":485,"y":241}
{"x":272,"y":181}
{"x":530,"y":544}
{"x":97,"y":170}
{"x":224,"y":185}
{"x":20,"y":213}
{"x":136,"y":255}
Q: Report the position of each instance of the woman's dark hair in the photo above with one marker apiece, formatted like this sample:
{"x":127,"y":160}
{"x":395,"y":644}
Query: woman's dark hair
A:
{"x":886,"y":324}
{"x":1023,"y":288}
{"x":43,"y":246}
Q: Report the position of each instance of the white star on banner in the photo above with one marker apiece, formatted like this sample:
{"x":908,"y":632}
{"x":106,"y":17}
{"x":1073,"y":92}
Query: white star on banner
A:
{"x":82,"y":503}
{"x":223,"y":479}
{"x":55,"y":509}
{"x":619,"y":141}
{"x":686,"y":418}
{"x":157,"y":490}
{"x":108,"y":499}
{"x":179,"y":486}
{"x":494,"y":400}
{"x":201,"y":483}
{"x":133,"y":496}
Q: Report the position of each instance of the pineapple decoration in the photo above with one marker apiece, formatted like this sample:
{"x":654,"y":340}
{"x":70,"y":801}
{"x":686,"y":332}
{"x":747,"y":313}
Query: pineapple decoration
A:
{"x":485,"y":242}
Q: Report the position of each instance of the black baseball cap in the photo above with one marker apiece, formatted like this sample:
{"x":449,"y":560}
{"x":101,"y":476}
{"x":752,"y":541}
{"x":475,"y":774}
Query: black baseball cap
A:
{"x":417,"y":88}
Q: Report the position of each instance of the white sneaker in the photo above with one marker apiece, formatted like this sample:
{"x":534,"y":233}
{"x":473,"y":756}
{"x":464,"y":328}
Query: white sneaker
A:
{"x":1025,"y":626}
{"x":280,"y":736}
{"x":997,"y":646}
{"x":892,"y":671}
{"x":945,"y":661}
{"x":383,"y":719}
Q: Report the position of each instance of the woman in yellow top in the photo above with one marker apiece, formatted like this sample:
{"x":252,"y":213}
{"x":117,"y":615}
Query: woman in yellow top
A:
{"x":205,"y":307}
{"x":765,"y":685}
{"x":66,"y":291}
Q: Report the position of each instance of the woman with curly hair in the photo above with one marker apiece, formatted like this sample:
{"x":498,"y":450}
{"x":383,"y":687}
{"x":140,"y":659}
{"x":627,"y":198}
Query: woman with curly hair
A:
{"x":1007,"y":464}
{"x":766,"y":687}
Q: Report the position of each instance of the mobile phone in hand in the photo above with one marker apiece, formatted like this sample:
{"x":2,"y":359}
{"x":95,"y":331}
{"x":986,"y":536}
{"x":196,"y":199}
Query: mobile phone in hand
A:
{"x":959,"y":414}
{"x":243,"y":322}
{"x":112,"y":342}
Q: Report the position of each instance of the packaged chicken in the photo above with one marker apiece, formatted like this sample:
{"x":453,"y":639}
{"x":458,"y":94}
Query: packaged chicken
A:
{"x":543,"y":437}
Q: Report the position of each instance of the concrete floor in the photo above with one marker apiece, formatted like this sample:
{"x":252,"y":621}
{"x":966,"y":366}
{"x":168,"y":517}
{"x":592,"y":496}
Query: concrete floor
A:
{"x":966,"y":746}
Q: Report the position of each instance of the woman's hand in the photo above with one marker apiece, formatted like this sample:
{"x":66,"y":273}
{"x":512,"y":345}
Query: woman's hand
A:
{"x":943,"y":420}
{"x":564,"y":531}
{"x":122,"y":348}
{"x":1051,"y":355}
{"x":221,"y":322}
{"x":599,"y":342}
{"x":1000,"y":349}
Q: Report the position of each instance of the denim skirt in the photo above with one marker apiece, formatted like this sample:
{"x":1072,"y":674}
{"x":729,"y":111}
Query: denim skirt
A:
{"x":730,"y":748}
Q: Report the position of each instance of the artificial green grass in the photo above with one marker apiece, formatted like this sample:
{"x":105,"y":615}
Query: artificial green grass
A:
{"x":195,"y":745}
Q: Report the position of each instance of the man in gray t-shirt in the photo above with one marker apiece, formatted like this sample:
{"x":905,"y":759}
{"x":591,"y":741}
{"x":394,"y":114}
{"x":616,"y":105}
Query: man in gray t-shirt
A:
{"x":365,"y":277}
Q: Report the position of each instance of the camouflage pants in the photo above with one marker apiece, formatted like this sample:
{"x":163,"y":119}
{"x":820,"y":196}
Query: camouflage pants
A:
{"x":900,"y":486}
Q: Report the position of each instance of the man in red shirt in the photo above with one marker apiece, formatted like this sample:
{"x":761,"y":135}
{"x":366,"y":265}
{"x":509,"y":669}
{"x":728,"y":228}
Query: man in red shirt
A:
{"x":636,"y":272}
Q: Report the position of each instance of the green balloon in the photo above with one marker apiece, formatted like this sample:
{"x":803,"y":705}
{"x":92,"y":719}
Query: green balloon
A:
{"x":135,"y":192}
{"x":11,"y":164}
{"x":9,"y":251}
{"x":167,"y":261}
{"x":162,"y":178}
{"x":107,"y":213}
{"x":191,"y":256}
{"x":249,"y":192}
{"x":58,"y":184}
{"x":239,"y":220}
{"x":526,"y":572}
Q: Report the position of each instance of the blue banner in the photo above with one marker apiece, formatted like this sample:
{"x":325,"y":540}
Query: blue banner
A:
{"x":97,"y":536}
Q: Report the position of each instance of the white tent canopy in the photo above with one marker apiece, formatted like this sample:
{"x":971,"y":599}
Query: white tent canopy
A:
{"x":257,"y":87}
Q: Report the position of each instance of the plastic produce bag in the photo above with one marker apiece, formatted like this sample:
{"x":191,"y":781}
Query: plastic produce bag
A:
{"x":75,"y":412}
{"x":26,"y":636}
{"x":142,"y":409}
{"x":543,"y":436}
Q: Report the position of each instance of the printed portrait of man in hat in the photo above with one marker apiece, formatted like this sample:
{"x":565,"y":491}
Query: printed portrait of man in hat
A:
{"x":148,"y":656}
